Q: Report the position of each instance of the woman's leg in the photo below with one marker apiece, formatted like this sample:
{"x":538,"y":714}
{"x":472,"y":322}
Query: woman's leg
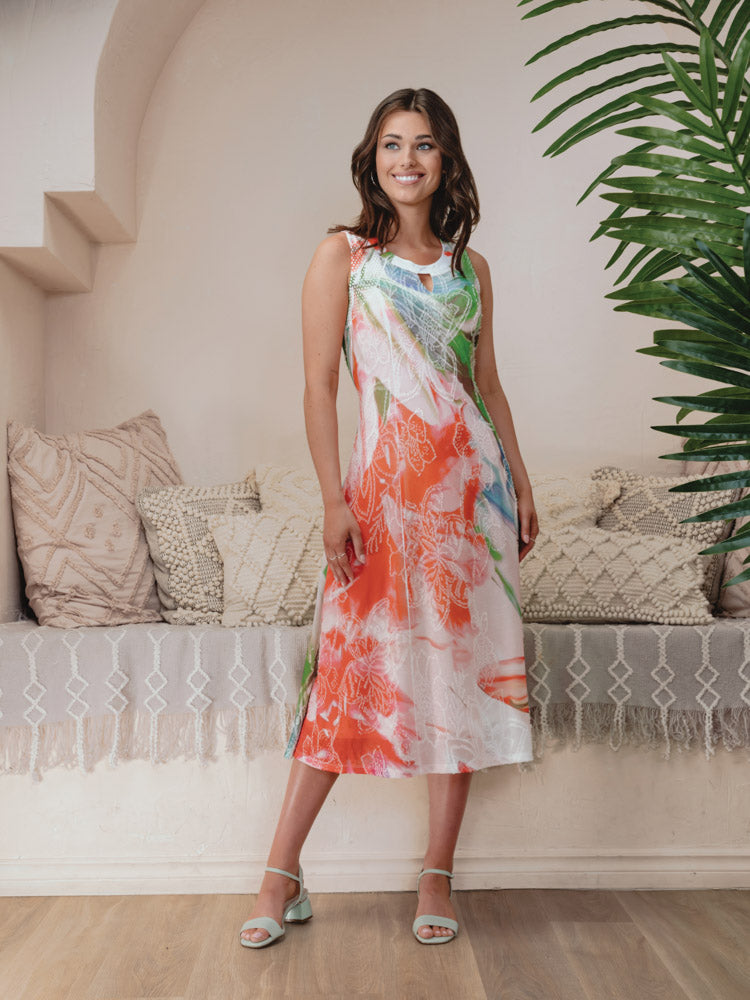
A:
{"x":306,"y":792}
{"x":448,"y":794}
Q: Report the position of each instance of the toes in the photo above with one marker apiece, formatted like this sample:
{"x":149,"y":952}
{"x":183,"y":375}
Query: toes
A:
{"x":434,"y":930}
{"x":255,"y":935}
{"x":442,"y":931}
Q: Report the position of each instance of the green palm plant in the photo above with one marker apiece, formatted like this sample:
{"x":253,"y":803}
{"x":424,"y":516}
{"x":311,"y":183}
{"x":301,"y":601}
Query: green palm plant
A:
{"x":684,"y":216}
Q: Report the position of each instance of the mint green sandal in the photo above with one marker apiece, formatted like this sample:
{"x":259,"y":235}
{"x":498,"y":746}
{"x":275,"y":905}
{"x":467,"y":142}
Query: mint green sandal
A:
{"x":296,"y":911}
{"x":431,"y":918}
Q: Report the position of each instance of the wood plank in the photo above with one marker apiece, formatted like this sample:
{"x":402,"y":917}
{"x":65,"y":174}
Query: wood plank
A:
{"x":65,"y":941}
{"x":19,"y":918}
{"x":687,"y":929}
{"x":598,"y":905}
{"x":514,"y":944}
{"x":365,"y":940}
{"x":149,"y":946}
{"x":223,"y":968}
{"x":516,"y":950}
{"x":614,"y":960}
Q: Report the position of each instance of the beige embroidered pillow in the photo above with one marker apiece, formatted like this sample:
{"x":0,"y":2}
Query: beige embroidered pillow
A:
{"x":567,"y":499}
{"x":733,"y":601}
{"x":188,"y":566}
{"x":646,"y":505}
{"x":579,"y":573}
{"x":80,"y":540}
{"x":272,"y":559}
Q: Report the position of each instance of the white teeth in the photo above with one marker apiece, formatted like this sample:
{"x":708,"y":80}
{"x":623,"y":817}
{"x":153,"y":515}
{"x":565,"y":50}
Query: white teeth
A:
{"x":407,"y":177}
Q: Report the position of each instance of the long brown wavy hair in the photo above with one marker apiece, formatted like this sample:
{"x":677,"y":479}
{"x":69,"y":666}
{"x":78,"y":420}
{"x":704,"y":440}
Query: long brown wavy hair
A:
{"x":455,"y":204}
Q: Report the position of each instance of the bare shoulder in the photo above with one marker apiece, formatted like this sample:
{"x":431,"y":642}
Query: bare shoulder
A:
{"x":334,"y":247}
{"x":333,"y":251}
{"x":332,"y":258}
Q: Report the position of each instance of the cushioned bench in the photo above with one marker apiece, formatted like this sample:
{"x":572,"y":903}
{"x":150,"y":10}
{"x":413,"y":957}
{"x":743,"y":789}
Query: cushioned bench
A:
{"x":157,"y":691}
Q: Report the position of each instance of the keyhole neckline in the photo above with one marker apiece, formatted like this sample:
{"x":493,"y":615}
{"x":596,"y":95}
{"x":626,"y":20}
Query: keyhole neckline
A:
{"x":442,"y":263}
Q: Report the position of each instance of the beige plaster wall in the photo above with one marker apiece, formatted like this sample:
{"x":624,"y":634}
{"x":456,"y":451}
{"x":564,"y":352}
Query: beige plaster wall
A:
{"x":243,"y":162}
{"x":590,"y":819}
{"x":46,"y":112}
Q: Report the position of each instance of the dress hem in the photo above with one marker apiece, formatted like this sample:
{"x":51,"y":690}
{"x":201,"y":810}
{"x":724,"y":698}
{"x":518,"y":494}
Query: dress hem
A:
{"x":320,"y":766}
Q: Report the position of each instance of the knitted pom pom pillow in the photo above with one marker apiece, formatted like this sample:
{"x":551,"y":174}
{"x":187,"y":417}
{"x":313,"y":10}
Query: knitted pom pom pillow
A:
{"x":647,"y":505}
{"x":579,"y":573}
{"x":188,"y":566}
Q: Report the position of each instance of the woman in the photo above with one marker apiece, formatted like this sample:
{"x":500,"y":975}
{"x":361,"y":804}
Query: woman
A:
{"x":416,"y":663}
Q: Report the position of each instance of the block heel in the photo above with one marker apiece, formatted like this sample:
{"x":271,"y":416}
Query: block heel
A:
{"x":301,"y":912}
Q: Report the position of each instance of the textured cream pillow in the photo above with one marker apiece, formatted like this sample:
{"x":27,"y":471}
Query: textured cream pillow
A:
{"x":579,"y":573}
{"x":646,"y":505}
{"x":733,"y":601}
{"x":272,"y":559}
{"x":80,"y":540}
{"x":187,"y":563}
{"x":565,"y":499}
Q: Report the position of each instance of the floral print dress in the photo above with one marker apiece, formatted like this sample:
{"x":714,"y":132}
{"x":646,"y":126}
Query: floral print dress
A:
{"x":417,"y":665}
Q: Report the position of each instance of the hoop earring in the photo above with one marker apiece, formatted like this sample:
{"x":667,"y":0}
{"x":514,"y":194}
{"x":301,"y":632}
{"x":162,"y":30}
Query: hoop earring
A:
{"x":373,"y":178}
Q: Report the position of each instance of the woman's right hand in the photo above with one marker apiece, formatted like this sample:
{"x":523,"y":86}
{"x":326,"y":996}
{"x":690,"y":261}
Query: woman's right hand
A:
{"x":340,"y":527}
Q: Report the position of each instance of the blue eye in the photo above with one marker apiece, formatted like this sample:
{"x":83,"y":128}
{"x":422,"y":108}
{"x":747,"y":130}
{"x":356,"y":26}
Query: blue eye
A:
{"x":393,"y":143}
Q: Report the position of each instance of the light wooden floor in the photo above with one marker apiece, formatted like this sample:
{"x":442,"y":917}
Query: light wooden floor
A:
{"x":513,"y":943}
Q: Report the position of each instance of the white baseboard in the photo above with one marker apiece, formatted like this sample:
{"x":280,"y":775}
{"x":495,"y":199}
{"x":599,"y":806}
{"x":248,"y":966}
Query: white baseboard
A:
{"x":709,"y":869}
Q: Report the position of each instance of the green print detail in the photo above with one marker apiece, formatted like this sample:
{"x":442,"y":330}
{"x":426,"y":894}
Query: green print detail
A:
{"x":382,"y":399}
{"x":462,"y":348}
{"x":510,"y":591}
{"x":497,"y":556}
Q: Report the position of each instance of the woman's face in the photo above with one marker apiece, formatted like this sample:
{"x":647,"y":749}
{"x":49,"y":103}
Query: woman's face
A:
{"x":408,"y":162}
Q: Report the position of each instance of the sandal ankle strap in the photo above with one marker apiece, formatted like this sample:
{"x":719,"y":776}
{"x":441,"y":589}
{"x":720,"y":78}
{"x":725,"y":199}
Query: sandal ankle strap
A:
{"x":280,"y":871}
{"x":436,"y":871}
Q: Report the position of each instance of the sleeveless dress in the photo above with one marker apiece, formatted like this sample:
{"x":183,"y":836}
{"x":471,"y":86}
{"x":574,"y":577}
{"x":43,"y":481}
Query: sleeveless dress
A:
{"x":417,"y":665}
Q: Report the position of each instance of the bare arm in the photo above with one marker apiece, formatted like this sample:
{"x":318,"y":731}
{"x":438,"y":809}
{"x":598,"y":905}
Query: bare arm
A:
{"x":325,"y":299}
{"x":488,"y":383}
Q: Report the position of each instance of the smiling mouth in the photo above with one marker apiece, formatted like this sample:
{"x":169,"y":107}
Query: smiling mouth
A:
{"x":408,"y":178}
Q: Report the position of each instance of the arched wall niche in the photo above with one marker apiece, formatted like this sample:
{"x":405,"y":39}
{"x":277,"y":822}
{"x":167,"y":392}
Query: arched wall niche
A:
{"x":71,"y":122}
{"x":51,"y":216}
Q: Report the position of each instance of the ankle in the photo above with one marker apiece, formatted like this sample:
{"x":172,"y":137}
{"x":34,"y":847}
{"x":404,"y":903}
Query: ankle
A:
{"x":434,"y":882}
{"x":279,"y":870}
{"x":429,"y":869}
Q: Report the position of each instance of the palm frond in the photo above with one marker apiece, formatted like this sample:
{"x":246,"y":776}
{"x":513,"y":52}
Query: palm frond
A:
{"x":680,"y":200}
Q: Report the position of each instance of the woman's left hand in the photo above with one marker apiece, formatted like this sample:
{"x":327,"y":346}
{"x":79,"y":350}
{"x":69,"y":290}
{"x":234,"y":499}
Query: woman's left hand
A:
{"x":528,"y":526}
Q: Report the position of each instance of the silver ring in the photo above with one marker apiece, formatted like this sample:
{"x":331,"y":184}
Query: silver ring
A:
{"x":340,"y":555}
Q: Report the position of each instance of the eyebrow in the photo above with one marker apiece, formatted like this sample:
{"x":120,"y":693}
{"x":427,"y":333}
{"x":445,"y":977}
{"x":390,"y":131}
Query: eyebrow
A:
{"x":393,"y":134}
